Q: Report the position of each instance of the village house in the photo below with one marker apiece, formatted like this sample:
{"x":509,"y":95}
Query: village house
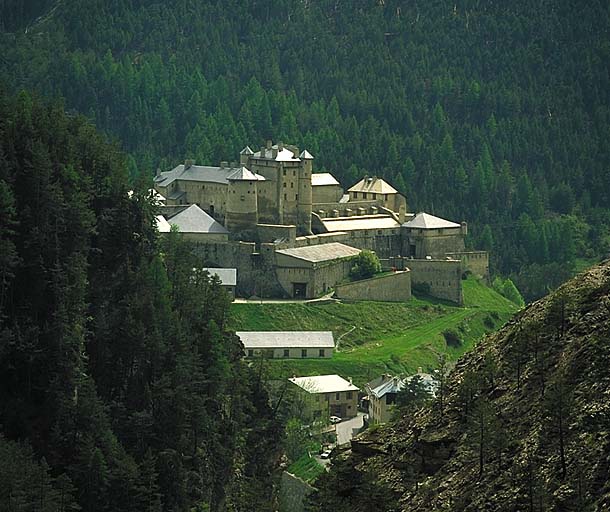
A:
{"x":382,"y":393}
{"x":328,"y":395}
{"x":287,"y":344}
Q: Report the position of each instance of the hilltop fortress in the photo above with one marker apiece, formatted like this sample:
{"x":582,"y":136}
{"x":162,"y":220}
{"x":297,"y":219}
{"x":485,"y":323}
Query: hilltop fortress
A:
{"x":291,"y":232}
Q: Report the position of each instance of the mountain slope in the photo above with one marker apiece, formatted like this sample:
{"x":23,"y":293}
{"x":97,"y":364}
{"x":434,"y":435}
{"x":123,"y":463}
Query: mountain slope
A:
{"x":524,"y":423}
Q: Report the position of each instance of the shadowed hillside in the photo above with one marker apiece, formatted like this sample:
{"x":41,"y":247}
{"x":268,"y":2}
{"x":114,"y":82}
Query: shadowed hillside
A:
{"x":522,"y":424}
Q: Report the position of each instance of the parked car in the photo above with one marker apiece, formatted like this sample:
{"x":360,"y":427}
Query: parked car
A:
{"x":335,"y":419}
{"x":325,"y":454}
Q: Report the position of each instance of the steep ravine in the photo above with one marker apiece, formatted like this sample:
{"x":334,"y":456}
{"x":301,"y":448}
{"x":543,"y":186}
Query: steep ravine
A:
{"x":525,"y":423}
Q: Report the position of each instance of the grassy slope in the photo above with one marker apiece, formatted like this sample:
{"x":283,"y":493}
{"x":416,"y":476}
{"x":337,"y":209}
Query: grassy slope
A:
{"x":376,"y":337}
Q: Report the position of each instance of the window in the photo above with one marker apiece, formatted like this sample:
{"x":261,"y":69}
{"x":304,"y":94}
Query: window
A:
{"x":385,"y":197}
{"x":348,"y":395}
{"x":303,"y":352}
{"x":284,"y":172}
{"x":355,"y":195}
{"x":292,"y":184}
{"x":296,"y":197}
{"x":363,"y":195}
{"x":294,"y":173}
{"x":285,"y":197}
{"x":321,"y":353}
{"x":250,"y":352}
{"x":284,"y":184}
{"x":337,"y":396}
{"x":286,"y":352}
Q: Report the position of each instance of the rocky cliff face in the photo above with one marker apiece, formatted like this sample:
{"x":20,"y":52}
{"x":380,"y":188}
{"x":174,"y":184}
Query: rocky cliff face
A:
{"x":524,"y":423}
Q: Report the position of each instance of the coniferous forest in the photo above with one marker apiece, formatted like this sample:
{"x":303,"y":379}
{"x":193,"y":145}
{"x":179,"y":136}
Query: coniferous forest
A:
{"x":492,"y":112}
{"x":121,"y":389}
{"x":114,"y":362}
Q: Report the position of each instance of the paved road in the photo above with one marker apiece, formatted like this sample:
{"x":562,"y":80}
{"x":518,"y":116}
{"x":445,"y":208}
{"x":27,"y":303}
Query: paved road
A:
{"x":284,"y":301}
{"x":348,"y":428}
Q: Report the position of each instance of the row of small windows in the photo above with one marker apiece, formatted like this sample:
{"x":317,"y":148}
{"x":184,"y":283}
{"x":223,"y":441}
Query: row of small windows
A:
{"x":373,"y":196}
{"x":348,"y":395}
{"x":304,"y":352}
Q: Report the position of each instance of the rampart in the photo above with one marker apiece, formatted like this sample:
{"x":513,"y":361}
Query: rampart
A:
{"x":439,"y":278}
{"x":395,"y":287}
{"x":477,"y":262}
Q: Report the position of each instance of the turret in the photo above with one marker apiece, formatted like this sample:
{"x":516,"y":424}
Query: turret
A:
{"x":244,"y":155}
{"x":242,"y":203}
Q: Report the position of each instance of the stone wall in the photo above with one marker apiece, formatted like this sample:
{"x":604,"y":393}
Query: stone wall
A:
{"x":271,"y":232}
{"x":395,"y":287}
{"x":326,"y":194}
{"x":293,"y":491}
{"x":439,"y":278}
{"x":255,"y":275}
{"x":476,"y":262}
{"x":319,"y":277}
{"x":323,"y":238}
{"x":432,"y":242}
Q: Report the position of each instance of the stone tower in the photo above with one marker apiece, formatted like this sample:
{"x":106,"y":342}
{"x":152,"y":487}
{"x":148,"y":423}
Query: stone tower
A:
{"x":242,"y":201}
{"x":285,"y":195}
{"x":304,"y":202}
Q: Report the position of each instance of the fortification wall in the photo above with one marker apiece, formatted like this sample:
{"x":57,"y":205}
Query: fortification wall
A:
{"x":439,"y":278}
{"x":349,"y":209}
{"x":271,"y":232}
{"x":384,"y":242}
{"x":394,"y":287}
{"x":477,"y":262}
{"x":255,"y":275}
{"x":323,"y":238}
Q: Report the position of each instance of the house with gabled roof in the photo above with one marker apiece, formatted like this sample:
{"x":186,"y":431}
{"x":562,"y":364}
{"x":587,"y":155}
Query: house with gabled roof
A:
{"x":329,"y":395}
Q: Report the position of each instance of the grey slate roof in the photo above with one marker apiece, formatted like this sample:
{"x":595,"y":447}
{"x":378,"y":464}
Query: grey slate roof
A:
{"x":305,"y":155}
{"x":379,"y":221}
{"x":227,"y":276}
{"x":243,"y":174}
{"x":427,"y":221}
{"x":195,"y":173}
{"x":246,"y":151}
{"x":321,"y":252}
{"x":385,"y":384}
{"x":194,"y":220}
{"x":285,"y":155}
{"x":323,"y":178}
{"x":286,"y":339}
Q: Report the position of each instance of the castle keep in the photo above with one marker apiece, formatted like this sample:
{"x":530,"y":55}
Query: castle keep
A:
{"x":264,"y":214}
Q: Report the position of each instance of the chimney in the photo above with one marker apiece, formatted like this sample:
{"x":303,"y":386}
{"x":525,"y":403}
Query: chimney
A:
{"x":420,"y":369}
{"x":269,"y":144}
{"x":464,"y":228}
{"x":280,"y":146}
{"x":263,"y":150}
{"x":188,"y":163}
{"x":402,"y":213}
{"x":350,"y":379}
{"x":233,"y":165}
{"x":224,"y":164}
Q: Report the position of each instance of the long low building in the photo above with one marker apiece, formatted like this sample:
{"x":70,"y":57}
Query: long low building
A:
{"x":288,"y":344}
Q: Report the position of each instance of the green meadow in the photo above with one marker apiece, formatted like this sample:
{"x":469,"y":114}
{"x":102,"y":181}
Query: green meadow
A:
{"x":379,"y":337}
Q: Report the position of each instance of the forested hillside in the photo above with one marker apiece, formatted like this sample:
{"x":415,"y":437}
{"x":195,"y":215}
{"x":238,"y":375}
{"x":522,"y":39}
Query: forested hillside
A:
{"x":119,"y":388}
{"x":493,"y":112}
